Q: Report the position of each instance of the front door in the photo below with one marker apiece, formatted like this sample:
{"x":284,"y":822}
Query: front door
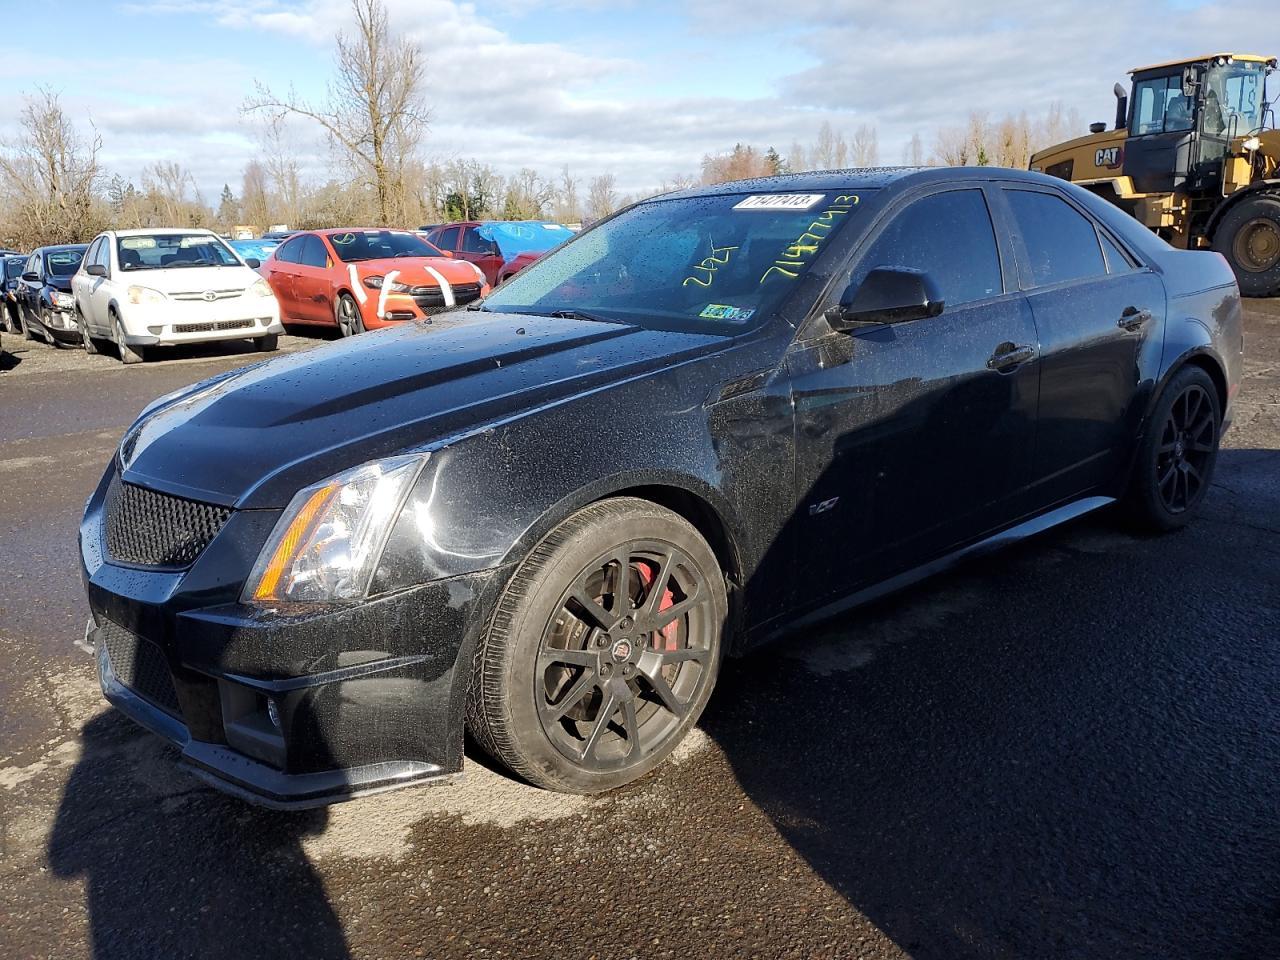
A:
{"x":1099,"y":315}
{"x":483,"y":253}
{"x":915,"y":437}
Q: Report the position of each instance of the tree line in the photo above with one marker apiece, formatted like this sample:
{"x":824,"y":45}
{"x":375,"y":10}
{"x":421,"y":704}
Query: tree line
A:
{"x":53,"y":188}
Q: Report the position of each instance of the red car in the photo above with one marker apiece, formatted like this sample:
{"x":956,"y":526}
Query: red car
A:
{"x":501,"y":248}
{"x":363,"y":278}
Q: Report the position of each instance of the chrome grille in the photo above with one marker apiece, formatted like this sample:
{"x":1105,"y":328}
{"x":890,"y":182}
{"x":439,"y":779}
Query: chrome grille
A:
{"x":153,"y":529}
{"x":140,"y":665}
{"x":208,"y":296}
{"x":432,"y":297}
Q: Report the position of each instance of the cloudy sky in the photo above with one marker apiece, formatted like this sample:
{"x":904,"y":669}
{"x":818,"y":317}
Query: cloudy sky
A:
{"x":639,"y":89}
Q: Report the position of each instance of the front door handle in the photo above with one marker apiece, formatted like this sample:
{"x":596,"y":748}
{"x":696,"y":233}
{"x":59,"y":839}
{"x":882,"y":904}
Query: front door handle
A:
{"x":1010,"y":355}
{"x":1133,"y":318}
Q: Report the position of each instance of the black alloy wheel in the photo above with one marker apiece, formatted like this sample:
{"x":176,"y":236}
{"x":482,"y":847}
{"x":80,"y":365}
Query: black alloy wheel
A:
{"x":1188,"y":443}
{"x":624,"y":659}
{"x":603,"y":650}
{"x":1176,"y":456}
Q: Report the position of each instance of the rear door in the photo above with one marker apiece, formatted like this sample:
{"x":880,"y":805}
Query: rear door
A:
{"x":919,"y":437}
{"x":279,"y":274}
{"x":1098,"y":311}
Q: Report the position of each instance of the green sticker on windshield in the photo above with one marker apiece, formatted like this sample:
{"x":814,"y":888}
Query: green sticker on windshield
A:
{"x":722,"y":311}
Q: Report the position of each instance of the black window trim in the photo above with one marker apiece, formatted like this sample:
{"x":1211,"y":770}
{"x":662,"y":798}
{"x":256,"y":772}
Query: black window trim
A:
{"x":1027,"y":283}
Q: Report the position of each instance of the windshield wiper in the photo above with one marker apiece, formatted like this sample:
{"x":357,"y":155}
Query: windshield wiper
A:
{"x":579,"y":315}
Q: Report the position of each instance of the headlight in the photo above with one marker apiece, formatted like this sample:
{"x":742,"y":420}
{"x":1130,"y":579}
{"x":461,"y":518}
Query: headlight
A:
{"x":145,"y":295}
{"x":63,"y":300}
{"x":327,"y":544}
{"x":259,"y":288}
{"x":396,"y":286}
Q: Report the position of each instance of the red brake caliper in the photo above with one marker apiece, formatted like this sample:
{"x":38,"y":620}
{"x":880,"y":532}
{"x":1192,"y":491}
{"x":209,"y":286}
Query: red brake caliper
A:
{"x":664,"y":639}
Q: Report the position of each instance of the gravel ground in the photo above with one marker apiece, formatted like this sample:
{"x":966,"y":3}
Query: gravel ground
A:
{"x":1069,"y":749}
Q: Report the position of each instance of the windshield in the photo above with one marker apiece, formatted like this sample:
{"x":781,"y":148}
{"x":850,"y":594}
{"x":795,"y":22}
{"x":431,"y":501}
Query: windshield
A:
{"x":716,"y":264}
{"x":13,"y":267}
{"x":524,"y":236}
{"x":62,"y":263}
{"x":355,"y":245}
{"x":1233,"y":97}
{"x":171,"y":251}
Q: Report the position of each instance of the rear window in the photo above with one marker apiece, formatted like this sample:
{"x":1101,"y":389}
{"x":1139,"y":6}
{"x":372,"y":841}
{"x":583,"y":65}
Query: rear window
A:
{"x":1061,"y":244}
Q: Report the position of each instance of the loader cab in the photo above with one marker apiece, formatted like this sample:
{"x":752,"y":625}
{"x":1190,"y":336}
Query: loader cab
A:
{"x":1183,"y":117}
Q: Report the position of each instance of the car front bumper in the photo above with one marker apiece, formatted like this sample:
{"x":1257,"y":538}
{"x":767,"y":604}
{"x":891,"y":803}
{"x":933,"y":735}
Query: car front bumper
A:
{"x":286,"y":708}
{"x":167,"y":324}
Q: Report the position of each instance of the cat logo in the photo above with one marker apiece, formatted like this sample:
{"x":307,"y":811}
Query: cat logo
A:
{"x":1108,"y":157}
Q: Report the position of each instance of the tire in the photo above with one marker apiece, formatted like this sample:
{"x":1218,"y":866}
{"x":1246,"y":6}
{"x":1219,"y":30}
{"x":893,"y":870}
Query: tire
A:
{"x":90,"y":345}
{"x":1177,"y":454}
{"x":128,"y":355}
{"x":27,"y":334}
{"x":559,"y":693}
{"x":1249,"y":237}
{"x":267,"y":344}
{"x":348,"y":317}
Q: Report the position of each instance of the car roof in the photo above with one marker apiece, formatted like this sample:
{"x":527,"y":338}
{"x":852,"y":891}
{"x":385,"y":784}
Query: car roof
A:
{"x":160,"y":231}
{"x":61,"y":246}
{"x":860,"y":178}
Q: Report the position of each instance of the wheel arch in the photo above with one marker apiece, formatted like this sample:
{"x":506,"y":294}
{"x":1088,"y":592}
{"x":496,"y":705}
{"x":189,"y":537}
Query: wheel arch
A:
{"x":1240,"y":196}
{"x":1204,"y":358}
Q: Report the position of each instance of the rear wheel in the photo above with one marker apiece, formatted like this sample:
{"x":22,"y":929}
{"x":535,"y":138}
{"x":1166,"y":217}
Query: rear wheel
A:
{"x":1177,"y":454}
{"x":1249,"y":237}
{"x":603,"y":650}
{"x":349,"y":320}
{"x":128,"y":354}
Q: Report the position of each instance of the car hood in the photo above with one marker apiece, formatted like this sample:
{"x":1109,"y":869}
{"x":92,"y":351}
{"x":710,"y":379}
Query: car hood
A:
{"x":191,"y":279}
{"x":254,"y":437}
{"x":419,"y":270}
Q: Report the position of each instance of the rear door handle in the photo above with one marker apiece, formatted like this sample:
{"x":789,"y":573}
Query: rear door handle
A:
{"x":1133,"y":318}
{"x":1010,"y":355}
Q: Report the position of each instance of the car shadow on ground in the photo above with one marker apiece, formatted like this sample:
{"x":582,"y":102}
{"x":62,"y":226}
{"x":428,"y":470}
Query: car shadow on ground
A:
{"x":172,"y":868}
{"x":1068,"y":748}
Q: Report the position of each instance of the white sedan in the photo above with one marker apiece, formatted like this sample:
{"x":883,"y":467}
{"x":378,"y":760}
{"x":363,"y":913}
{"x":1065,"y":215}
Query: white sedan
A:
{"x":159,"y":286}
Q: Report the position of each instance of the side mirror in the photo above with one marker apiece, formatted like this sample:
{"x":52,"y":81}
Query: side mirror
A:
{"x":31,"y":276}
{"x":447,"y":253}
{"x":1190,"y":82}
{"x":253,"y":263}
{"x":95,"y":270}
{"x":887,"y":295}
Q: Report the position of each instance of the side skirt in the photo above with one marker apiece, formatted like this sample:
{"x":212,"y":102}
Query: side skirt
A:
{"x":1004,"y":538}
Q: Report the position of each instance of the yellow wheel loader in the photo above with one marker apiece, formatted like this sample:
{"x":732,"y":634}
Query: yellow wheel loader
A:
{"x":1194,"y":155}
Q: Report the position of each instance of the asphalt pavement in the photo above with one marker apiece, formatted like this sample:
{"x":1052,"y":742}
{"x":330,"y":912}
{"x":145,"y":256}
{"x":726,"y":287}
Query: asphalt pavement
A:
{"x":1068,"y":749}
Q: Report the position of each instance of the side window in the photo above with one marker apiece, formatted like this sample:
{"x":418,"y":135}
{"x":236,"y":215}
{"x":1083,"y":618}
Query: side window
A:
{"x":33,"y":265}
{"x":950,"y":237}
{"x":91,"y":255}
{"x":1160,"y":107}
{"x":1060,"y":243}
{"x":288,"y":251}
{"x":1117,"y":260}
{"x":102,"y":255}
{"x":447,"y":239}
{"x":472,"y":242}
{"x":313,"y":253}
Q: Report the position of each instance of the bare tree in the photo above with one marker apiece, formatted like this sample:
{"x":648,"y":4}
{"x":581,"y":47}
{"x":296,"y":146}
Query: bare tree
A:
{"x":254,"y":206}
{"x":740,"y":163}
{"x":375,"y":112}
{"x":50,"y":174}
{"x":566,"y":204}
{"x":913,"y":152}
{"x":866,"y":146}
{"x":602,"y":197}
{"x":281,"y":163}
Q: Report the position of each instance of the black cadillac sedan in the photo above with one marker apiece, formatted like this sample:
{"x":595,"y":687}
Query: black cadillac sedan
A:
{"x":697,"y":426}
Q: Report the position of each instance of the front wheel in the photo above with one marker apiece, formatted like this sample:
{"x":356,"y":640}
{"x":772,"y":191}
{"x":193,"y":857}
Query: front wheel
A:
{"x":90,"y":345}
{"x":603,"y":650}
{"x":1249,"y":238}
{"x":350,"y":322}
{"x":1177,"y":454}
{"x":267,"y":344}
{"x":128,"y":354}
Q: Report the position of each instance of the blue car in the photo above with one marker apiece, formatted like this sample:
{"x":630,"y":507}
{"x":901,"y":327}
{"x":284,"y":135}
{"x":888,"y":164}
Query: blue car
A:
{"x":254,"y":249}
